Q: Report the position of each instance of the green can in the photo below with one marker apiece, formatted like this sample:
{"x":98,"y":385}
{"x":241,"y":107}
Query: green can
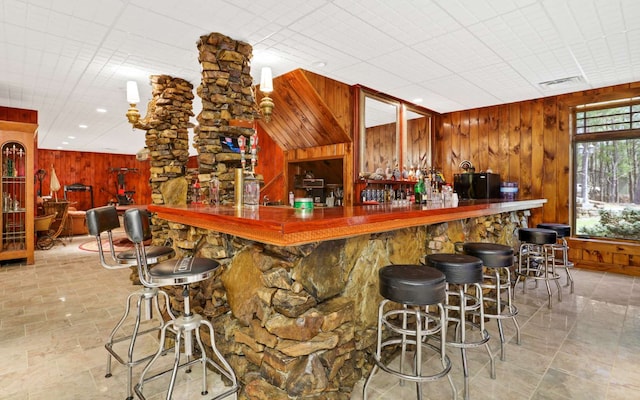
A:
{"x":303,"y":203}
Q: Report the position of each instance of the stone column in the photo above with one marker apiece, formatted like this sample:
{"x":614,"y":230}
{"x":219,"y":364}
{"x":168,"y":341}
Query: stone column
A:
{"x":166,"y":125}
{"x":228,"y":106}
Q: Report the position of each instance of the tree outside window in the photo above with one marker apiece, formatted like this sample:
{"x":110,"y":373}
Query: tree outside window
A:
{"x":607,"y":170}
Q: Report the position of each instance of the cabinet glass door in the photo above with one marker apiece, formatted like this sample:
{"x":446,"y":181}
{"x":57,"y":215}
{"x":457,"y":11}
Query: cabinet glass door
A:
{"x":14,"y":199}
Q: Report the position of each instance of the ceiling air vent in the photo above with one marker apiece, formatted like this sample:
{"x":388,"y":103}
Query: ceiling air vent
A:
{"x":561,"y":82}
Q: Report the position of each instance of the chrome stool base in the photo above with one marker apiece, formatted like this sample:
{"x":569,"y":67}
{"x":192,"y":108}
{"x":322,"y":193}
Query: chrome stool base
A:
{"x":536,"y":259}
{"x":425,"y":324}
{"x":411,"y":291}
{"x":150,"y":297}
{"x":185,"y":327}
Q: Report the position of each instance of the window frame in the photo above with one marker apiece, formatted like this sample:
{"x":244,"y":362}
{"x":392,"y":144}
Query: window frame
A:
{"x":585,"y":139}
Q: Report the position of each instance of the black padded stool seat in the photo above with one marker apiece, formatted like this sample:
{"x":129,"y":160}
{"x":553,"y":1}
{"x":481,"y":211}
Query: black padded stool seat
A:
{"x":182,"y":270}
{"x":146,"y":300}
{"x":463,"y":277}
{"x":561,"y":248}
{"x":155,"y":254}
{"x":178,"y":271}
{"x":537,"y":236}
{"x":105,"y":219}
{"x":458,"y":269}
{"x":498,"y":260}
{"x":536,"y":258}
{"x":491,"y":254}
{"x":411,"y":311}
{"x":412,"y":284}
{"x":562,"y":230}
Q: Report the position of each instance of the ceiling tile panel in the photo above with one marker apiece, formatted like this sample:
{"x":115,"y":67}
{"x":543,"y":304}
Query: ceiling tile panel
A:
{"x":345,"y":32}
{"x":58,"y":53}
{"x":406,"y":62}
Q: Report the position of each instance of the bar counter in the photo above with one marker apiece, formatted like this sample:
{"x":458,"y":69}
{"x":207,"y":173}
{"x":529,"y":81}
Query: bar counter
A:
{"x":284,"y":226}
{"x":295,"y":303}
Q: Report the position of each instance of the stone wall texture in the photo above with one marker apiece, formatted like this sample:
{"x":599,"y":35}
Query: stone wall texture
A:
{"x":299,"y":322}
{"x":228,"y":107}
{"x":166,"y":125}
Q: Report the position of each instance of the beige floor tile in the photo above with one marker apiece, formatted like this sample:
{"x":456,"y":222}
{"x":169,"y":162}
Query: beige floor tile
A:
{"x":58,"y":314}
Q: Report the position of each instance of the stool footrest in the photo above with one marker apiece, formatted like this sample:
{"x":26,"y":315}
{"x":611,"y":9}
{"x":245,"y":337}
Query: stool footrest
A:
{"x":413,"y":378}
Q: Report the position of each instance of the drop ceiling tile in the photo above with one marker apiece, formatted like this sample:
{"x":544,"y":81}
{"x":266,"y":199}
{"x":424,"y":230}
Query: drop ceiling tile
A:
{"x":459,"y":51}
{"x":407,"y":62}
{"x":348,"y":33}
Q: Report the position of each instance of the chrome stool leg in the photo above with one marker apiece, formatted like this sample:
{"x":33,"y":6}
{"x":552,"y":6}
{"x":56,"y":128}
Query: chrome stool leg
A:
{"x":185,"y":326}
{"x":150,"y":298}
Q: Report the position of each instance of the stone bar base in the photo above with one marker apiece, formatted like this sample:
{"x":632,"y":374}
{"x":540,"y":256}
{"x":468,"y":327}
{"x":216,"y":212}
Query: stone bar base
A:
{"x":300,"y":321}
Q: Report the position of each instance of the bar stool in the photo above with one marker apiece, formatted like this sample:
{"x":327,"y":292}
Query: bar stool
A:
{"x":562,"y":231}
{"x":463,"y":272}
{"x":103,"y":220}
{"x":536,"y":258}
{"x":415,"y":288}
{"x":497,"y":260}
{"x":178,"y":271}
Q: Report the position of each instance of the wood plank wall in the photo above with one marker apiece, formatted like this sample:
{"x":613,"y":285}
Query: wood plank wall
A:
{"x":380,"y":149}
{"x":418,"y":141}
{"x":529,"y":142}
{"x":337,"y":99}
{"x":93,"y":169}
{"x":525,"y":142}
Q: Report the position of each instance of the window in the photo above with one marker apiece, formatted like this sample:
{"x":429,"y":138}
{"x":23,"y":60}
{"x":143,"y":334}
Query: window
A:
{"x":606,"y":173}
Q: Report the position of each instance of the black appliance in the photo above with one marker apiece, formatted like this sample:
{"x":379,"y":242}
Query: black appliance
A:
{"x":477,"y":185}
{"x":315,"y":189}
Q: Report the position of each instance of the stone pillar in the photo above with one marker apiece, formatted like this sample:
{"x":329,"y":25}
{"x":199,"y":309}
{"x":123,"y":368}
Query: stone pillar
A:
{"x":166,"y":125}
{"x":228,"y":106}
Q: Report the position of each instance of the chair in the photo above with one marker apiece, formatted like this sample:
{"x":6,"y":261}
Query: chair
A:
{"x":102,"y":221}
{"x":463,"y":276}
{"x":178,"y":271}
{"x":536,"y":259}
{"x":497,"y":260}
{"x":562,"y":231}
{"x":413,"y":288}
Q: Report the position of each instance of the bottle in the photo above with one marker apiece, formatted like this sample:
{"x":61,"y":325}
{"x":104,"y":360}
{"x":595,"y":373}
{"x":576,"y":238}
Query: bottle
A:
{"x":291,"y":199}
{"x":419,"y":191}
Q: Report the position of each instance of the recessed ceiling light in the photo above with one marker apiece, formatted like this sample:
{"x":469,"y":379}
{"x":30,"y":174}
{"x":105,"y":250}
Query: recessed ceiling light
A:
{"x":65,"y":142}
{"x":71,"y":137}
{"x":418,"y":100}
{"x":101,"y":110}
{"x":320,"y":64}
{"x":59,"y":148}
{"x":83,"y":126}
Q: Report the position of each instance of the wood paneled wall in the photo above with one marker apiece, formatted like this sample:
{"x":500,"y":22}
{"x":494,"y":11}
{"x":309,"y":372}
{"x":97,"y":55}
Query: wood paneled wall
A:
{"x":526,"y":142}
{"x":271,"y":166}
{"x":529,"y":142}
{"x":418,"y":150}
{"x":93,"y":169}
{"x":380,"y":148}
{"x":334,"y":105}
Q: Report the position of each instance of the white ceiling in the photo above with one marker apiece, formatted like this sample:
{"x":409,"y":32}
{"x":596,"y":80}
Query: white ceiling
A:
{"x":66,"y":58}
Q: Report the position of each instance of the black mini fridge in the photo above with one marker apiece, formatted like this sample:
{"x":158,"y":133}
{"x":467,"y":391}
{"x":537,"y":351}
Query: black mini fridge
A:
{"x":477,"y":185}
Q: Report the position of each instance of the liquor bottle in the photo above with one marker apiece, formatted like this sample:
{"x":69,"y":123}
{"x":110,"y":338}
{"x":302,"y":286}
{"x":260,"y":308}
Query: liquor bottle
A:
{"x":419,"y":191}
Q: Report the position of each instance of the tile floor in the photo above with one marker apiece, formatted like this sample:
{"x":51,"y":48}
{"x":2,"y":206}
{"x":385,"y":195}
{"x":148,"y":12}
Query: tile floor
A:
{"x":55,"y":316}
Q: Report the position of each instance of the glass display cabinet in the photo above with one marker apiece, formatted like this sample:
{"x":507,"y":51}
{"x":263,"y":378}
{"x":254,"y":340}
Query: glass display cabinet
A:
{"x":17,"y":229}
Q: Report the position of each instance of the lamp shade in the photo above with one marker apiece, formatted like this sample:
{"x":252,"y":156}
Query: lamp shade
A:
{"x":266,"y":80}
{"x":133,"y":97}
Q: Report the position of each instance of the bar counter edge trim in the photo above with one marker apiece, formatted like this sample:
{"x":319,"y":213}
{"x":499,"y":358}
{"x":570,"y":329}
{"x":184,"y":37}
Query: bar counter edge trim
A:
{"x":293,"y":233}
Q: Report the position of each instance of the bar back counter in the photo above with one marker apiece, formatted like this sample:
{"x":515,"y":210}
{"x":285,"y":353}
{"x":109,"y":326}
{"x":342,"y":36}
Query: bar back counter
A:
{"x":295,"y":305}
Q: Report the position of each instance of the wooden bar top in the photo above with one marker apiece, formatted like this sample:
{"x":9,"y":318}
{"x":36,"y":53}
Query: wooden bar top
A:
{"x":285,"y":226}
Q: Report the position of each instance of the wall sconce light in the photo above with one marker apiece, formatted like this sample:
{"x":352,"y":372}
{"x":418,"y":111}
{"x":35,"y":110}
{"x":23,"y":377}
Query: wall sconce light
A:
{"x":266,"y":87}
{"x":133,"y":98}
